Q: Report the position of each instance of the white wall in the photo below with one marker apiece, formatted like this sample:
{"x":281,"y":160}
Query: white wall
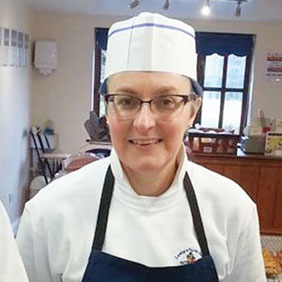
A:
{"x":65,"y":95}
{"x":14,"y":116}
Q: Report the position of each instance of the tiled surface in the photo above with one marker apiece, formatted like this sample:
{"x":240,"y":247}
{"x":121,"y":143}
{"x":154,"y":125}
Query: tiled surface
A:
{"x":273,"y":243}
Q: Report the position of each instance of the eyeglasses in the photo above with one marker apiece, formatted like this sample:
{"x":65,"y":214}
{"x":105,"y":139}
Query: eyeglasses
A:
{"x":123,"y":106}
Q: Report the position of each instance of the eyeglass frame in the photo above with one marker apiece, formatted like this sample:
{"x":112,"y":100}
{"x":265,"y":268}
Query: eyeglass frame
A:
{"x":186,"y":98}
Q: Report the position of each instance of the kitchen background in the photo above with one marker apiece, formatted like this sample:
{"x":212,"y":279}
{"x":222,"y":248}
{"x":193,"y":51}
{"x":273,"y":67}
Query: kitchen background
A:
{"x":29,"y":98}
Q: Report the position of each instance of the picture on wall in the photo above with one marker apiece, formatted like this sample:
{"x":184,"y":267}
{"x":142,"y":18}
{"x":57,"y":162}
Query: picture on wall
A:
{"x":273,"y":144}
{"x":20,"y":49}
{"x":6,"y":47}
{"x":273,"y":66}
{"x":26,"y":49}
{"x":1,"y":44}
{"x":14,"y":48}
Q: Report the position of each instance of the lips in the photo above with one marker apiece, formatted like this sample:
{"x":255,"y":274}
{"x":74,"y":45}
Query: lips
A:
{"x":145,"y":142}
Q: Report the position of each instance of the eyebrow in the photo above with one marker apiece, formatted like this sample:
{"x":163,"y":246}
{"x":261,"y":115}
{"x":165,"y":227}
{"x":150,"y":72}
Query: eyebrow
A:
{"x":125,"y":89}
{"x":167,"y":89}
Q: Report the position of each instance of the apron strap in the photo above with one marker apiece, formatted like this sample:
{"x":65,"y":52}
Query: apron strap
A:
{"x":196,"y":215}
{"x":102,"y":219}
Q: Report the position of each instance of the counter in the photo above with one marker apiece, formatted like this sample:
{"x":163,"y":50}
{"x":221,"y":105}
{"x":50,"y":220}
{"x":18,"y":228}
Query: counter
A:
{"x":260,"y":176}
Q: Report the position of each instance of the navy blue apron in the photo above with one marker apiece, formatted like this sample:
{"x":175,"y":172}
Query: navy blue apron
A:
{"x":103,"y":267}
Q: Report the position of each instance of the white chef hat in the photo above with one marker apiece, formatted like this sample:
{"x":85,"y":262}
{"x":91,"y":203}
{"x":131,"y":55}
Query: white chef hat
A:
{"x":151,"y":42}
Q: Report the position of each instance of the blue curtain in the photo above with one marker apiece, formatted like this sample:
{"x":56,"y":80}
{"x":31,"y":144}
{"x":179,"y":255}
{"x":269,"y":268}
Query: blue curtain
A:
{"x":224,"y":44}
{"x":102,"y":37}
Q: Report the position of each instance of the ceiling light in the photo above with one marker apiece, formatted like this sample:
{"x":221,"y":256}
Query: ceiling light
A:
{"x":238,"y":9}
{"x":166,"y":5}
{"x":206,"y":8}
{"x":133,"y":4}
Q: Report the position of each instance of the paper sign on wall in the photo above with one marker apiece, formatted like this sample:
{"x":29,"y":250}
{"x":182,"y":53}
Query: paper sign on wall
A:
{"x":1,"y":44}
{"x":273,"y":67}
{"x":14,"y":48}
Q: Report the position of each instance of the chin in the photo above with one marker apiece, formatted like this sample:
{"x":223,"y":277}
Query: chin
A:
{"x":147,"y":166}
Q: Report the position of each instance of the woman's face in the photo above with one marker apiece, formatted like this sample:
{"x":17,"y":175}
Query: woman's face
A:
{"x":146,"y":143}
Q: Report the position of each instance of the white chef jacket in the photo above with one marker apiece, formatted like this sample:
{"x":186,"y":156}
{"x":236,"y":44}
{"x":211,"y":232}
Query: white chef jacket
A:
{"x":11,"y":266}
{"x":57,"y":228}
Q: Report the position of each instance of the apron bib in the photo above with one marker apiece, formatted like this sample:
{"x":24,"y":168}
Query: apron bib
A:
{"x":103,"y":267}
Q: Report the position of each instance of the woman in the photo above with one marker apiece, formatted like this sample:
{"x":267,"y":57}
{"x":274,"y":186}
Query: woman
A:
{"x":11,"y":266}
{"x":152,"y":215}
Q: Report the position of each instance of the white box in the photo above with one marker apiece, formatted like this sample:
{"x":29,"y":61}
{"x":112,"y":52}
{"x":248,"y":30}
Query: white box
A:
{"x":46,"y":57}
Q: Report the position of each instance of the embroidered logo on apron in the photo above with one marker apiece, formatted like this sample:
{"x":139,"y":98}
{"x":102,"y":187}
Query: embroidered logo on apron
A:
{"x":188,"y":256}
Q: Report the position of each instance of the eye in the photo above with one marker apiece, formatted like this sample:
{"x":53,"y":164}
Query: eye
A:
{"x":126,"y":102}
{"x":165,"y":102}
{"x":110,"y":99}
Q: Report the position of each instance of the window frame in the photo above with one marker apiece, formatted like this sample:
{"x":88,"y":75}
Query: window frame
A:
{"x":223,"y":89}
{"x":97,"y":76}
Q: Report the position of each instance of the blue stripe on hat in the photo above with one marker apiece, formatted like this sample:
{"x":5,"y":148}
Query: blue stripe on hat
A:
{"x":151,"y":25}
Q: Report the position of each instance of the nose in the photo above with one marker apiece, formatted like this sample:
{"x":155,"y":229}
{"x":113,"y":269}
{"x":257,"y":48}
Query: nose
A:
{"x":144,"y":119}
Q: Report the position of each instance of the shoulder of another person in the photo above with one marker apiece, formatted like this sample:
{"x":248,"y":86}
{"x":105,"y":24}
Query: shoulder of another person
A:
{"x":4,"y":221}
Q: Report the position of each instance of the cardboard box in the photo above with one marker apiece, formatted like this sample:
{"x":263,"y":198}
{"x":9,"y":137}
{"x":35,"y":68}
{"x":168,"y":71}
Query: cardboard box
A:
{"x":213,"y":143}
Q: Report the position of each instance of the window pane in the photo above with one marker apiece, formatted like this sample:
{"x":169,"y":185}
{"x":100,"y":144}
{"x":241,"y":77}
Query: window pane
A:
{"x":102,"y":108}
{"x":103,"y":64}
{"x":210,"y":109}
{"x":213,"y":71}
{"x":232,"y":111}
{"x":235,"y":71}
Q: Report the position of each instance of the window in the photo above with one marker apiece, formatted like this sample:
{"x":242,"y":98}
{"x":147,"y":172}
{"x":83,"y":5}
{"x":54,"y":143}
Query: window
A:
{"x":224,"y":62}
{"x":100,"y":59}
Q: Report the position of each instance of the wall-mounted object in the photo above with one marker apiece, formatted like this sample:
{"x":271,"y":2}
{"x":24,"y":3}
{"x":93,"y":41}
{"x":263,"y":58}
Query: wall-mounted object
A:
{"x":45,"y":57}
{"x":14,"y":48}
{"x":273,"y":66}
